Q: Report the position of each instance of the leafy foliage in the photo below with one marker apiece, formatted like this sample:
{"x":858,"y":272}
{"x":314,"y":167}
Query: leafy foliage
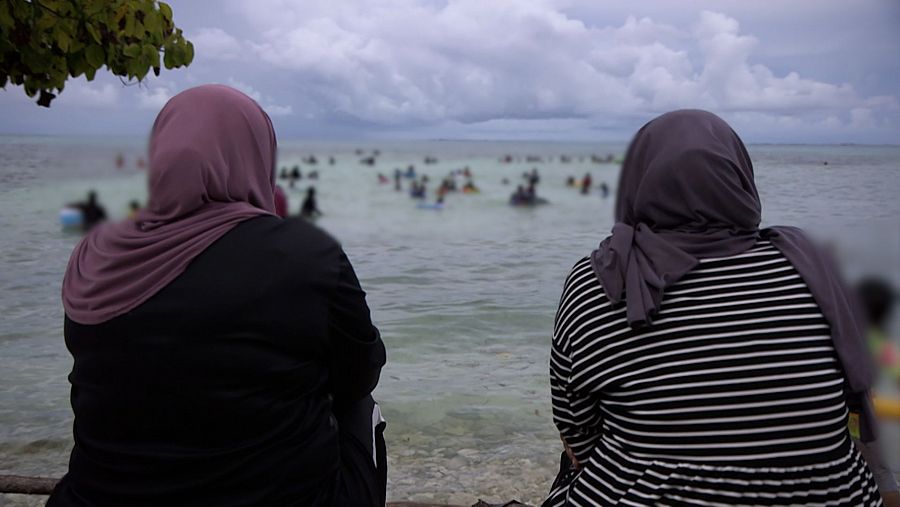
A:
{"x":43,"y":42}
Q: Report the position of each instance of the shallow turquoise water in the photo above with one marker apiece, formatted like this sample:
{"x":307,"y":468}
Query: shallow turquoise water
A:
{"x":464,"y":297}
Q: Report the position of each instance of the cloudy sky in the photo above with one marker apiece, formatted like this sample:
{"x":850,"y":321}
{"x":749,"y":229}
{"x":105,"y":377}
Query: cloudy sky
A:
{"x":817,"y":71}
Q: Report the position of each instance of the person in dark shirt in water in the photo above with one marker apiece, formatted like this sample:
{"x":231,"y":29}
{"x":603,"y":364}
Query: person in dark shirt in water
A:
{"x":309,"y":208}
{"x":604,"y":189}
{"x":519,"y":197}
{"x":92,"y":213}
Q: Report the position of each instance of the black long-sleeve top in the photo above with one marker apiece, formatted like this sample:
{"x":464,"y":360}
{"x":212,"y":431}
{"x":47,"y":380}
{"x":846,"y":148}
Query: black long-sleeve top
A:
{"x":222,"y":388}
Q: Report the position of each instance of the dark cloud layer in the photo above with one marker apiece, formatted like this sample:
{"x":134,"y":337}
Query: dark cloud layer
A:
{"x":523,"y":69}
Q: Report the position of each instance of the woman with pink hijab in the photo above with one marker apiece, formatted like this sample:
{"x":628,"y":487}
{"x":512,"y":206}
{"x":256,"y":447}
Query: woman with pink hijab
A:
{"x":222,"y":355}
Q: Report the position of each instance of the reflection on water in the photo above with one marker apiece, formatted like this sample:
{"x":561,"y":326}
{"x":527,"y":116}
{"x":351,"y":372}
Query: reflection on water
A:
{"x":464,"y":296}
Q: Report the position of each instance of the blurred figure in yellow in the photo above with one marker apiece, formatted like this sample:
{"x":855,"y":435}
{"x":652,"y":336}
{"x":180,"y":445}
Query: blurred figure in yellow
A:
{"x":133,"y":208}
{"x":877,"y":299}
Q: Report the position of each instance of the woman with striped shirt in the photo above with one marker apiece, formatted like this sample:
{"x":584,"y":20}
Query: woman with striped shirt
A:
{"x":698,"y":359}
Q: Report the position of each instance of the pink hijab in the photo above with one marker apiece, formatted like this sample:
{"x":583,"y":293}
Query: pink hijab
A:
{"x":212,"y":166}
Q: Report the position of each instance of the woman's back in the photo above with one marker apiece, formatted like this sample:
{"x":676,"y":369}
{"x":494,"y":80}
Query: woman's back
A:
{"x":218,"y":390}
{"x":734,"y":395}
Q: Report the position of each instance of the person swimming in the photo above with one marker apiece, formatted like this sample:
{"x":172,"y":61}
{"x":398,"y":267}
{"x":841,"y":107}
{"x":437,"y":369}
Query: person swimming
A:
{"x":295,"y":175}
{"x":604,"y":189}
{"x":519,"y":197}
{"x":310,"y":209}
{"x":417,"y":190}
{"x":586,"y":183}
{"x":133,"y":208}
{"x":92,"y":213}
{"x":876,"y":298}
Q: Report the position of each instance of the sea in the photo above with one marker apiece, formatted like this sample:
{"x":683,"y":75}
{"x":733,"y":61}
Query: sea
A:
{"x":464,"y":296}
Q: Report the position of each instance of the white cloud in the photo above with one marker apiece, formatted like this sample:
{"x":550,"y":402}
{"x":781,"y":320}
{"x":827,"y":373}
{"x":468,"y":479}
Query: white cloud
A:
{"x":401,"y":62}
{"x":153,"y":97}
{"x":215,"y":43}
{"x":276,"y":110}
{"x":267,"y":103}
{"x":244,"y":87}
{"x":81,"y":93}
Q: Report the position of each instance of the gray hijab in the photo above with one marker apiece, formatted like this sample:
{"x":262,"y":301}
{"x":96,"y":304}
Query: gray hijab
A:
{"x":686,"y":192}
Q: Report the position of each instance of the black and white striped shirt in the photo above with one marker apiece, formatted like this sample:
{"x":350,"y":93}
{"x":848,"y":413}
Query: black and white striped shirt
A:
{"x":734,"y":396}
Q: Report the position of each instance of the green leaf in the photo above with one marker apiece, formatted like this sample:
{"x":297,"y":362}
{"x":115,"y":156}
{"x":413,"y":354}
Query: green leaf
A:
{"x":6,"y":18}
{"x":132,"y":51}
{"x":189,"y":54}
{"x":151,"y":24}
{"x":96,"y":7}
{"x":95,"y":56}
{"x":129,"y":25}
{"x":139,"y":70}
{"x":63,"y":40}
{"x":168,"y":58}
{"x":45,"y":21}
{"x":93,"y":32}
{"x":77,"y":65}
{"x":30,"y":88}
{"x":22,"y":11}
{"x":166,"y":11}
{"x":150,"y":56}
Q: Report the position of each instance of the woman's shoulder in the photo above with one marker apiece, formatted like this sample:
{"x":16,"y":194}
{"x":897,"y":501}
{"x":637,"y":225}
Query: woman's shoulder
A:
{"x":580,"y":268}
{"x":292,"y":232}
{"x":581,"y":277}
{"x":274,"y":243}
{"x":762,"y":249}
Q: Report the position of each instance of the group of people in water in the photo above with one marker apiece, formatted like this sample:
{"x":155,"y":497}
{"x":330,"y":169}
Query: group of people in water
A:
{"x":227,"y":356}
{"x":296,"y":174}
{"x":586,"y":184}
{"x":525,"y":194}
{"x":609,"y":158}
{"x":90,"y":212}
{"x":418,"y":185}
